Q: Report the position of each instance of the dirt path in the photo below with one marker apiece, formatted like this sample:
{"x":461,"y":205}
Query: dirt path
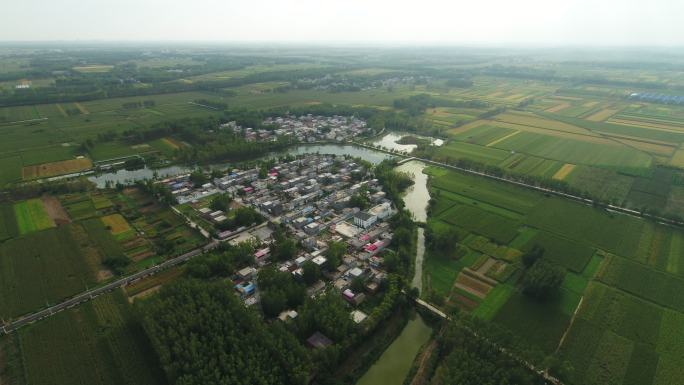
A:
{"x":421,"y":376}
{"x":572,"y":320}
{"x":55,"y":211}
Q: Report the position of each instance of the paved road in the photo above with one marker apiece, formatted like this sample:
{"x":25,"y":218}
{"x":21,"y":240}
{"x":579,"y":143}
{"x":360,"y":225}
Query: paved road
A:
{"x":91,"y":294}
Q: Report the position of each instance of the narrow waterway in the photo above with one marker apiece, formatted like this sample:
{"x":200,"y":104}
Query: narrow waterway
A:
{"x":394,"y":364}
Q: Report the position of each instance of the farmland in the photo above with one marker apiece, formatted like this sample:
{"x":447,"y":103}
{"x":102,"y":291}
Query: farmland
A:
{"x":622,"y":270}
{"x":97,"y":343}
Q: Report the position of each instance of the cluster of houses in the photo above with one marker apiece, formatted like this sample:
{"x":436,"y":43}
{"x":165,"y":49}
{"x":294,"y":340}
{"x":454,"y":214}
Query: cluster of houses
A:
{"x":308,"y":128}
{"x":657,"y":98}
{"x":313,"y":198}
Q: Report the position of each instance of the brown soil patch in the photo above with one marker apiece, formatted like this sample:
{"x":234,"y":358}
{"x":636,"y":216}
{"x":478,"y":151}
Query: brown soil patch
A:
{"x":602,"y":115}
{"x":104,"y":275}
{"x":116,"y":223}
{"x":463,"y":302}
{"x":422,"y":376}
{"x":144,"y":293}
{"x":563,"y":172}
{"x":55,"y":211}
{"x":558,"y":107}
{"x":486,"y":266}
{"x":472,"y":285}
{"x":62,"y":167}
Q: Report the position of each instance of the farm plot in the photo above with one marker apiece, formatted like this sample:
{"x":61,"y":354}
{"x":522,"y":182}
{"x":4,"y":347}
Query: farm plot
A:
{"x":531,"y":165}
{"x":619,"y":338}
{"x":640,"y":280}
{"x":484,"y":135}
{"x":503,"y":196}
{"x":575,"y":151}
{"x":56,"y":168}
{"x":8,"y":222}
{"x":493,"y":226}
{"x":615,"y":233}
{"x":603,"y":183}
{"x":461,"y":150}
{"x":31,"y":216}
{"x":40,"y":268}
{"x":97,"y":343}
{"x":10,"y":169}
{"x":574,"y":255}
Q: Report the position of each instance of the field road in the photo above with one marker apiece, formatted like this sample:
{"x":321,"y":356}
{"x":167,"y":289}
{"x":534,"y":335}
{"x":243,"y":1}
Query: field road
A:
{"x":91,"y":294}
{"x":543,"y":373}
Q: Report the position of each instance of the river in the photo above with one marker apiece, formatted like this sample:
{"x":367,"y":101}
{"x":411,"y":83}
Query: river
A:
{"x":395,"y":362}
{"x":128,"y":177}
{"x":389,"y":141}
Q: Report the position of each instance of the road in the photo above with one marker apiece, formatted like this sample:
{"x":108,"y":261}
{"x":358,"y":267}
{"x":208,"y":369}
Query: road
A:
{"x":93,"y":293}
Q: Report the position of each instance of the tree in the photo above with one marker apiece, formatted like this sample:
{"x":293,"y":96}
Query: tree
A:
{"x":310,"y":272}
{"x":532,"y":256}
{"x":543,"y":279}
{"x":191,"y":323}
{"x":198,"y":178}
{"x":336,"y":251}
{"x":443,"y":239}
{"x":221,"y":202}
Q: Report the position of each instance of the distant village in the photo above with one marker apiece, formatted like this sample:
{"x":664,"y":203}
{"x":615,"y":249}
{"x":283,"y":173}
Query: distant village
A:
{"x":314,"y":198}
{"x":305,"y":128}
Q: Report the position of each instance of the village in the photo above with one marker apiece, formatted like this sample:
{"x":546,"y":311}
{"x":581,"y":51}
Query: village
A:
{"x":305,"y":128}
{"x":320,"y":201}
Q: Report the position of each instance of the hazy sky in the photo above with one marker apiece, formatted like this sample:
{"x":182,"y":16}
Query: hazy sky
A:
{"x":545,"y":22}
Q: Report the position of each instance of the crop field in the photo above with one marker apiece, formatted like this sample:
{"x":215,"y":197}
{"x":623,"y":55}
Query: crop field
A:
{"x":96,"y":343}
{"x":539,"y":323}
{"x":56,"y":168}
{"x":117,"y":225}
{"x":573,"y":255}
{"x":40,"y":268}
{"x":31,"y":216}
{"x":623,"y":339}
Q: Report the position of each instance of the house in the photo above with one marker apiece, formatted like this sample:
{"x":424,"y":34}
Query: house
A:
{"x":382,"y":211}
{"x":358,"y":316}
{"x":246,"y":273}
{"x":287,"y":315}
{"x":319,"y":341}
{"x":245,"y":289}
{"x":364,"y":219}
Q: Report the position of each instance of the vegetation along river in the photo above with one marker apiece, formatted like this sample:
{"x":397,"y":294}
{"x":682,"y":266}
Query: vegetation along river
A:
{"x":394,"y":364}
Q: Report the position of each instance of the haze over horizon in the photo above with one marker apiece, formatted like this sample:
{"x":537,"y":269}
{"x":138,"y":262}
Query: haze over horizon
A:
{"x":525,"y":22}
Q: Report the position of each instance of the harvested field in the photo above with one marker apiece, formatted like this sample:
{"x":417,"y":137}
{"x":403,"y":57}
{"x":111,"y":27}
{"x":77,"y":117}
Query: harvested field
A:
{"x":116,"y":224}
{"x":56,"y":168}
{"x":471,"y":284}
{"x":564,"y":171}
{"x":55,"y":211}
{"x":602,"y":114}
{"x":677,"y":159}
{"x":81,"y":108}
{"x":558,"y":107}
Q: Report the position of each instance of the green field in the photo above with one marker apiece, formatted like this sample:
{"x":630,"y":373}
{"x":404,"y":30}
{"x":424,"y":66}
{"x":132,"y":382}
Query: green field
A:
{"x":31,"y":216}
{"x":42,"y":268}
{"x":96,"y":343}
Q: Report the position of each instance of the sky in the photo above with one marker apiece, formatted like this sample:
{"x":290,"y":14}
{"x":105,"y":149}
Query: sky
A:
{"x":477,"y":22}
